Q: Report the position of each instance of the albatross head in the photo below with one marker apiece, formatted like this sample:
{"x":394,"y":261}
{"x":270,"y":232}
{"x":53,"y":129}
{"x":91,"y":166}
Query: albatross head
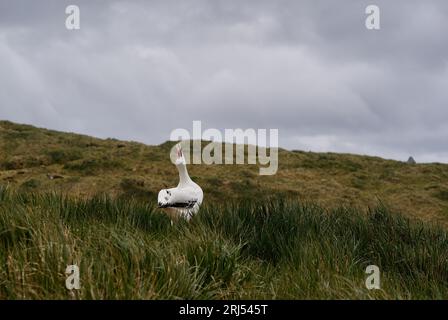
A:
{"x":180,"y":159}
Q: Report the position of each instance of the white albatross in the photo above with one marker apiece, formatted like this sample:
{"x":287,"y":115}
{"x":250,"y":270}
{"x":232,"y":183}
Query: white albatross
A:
{"x":184,"y":200}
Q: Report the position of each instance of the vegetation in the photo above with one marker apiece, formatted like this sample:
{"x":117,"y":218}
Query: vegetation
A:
{"x":127,"y":249}
{"x":308,"y":232}
{"x":89,"y":166}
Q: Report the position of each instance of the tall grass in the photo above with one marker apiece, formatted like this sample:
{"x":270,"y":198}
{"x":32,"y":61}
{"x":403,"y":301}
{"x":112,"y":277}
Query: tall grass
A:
{"x":127,"y":249}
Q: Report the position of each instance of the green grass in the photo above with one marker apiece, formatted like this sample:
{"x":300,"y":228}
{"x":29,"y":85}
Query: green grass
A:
{"x":126,"y":169}
{"x":277,"y":248}
{"x":306,"y":232}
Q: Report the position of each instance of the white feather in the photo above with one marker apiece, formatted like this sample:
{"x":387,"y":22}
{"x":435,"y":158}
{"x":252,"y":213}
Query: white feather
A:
{"x":184,"y":200}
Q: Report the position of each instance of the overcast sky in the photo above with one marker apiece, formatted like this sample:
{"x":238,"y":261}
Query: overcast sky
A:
{"x":136,"y":70}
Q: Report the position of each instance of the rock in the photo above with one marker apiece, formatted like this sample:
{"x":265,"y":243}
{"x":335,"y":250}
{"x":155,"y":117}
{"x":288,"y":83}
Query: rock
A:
{"x":411,"y":161}
{"x":92,"y":144}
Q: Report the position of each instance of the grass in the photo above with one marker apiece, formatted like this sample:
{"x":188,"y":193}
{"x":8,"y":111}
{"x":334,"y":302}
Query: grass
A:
{"x":276,"y":249}
{"x":308,"y":232}
{"x":126,"y":169}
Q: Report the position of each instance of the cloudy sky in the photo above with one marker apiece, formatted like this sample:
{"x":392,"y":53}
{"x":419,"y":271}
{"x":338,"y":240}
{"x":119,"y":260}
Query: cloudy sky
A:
{"x":136,"y":70}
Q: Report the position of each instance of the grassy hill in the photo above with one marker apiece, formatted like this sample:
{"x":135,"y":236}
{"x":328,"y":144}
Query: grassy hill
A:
{"x":83,"y":166}
{"x":308,"y":232}
{"x":127,"y":249}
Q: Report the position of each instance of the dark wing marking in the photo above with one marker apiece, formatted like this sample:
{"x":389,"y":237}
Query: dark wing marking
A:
{"x":188,"y":205}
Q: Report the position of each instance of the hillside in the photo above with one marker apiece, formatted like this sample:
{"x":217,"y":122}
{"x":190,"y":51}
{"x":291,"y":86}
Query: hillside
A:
{"x":127,"y":249}
{"x":308,"y":232}
{"x":34,"y":159}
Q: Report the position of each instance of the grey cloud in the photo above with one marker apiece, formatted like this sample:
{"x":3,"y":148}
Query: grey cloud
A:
{"x":139,"y":69}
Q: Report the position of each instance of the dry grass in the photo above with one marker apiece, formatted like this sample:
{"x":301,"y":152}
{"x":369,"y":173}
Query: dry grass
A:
{"x":128,"y":169}
{"x":307,"y":232}
{"x":278,"y":249}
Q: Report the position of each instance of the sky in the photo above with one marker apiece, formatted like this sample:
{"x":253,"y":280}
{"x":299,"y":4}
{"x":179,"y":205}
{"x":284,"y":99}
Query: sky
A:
{"x":137,"y":70}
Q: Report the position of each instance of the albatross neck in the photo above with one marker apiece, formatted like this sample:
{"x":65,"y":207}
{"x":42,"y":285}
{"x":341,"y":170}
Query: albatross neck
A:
{"x":184,"y":178}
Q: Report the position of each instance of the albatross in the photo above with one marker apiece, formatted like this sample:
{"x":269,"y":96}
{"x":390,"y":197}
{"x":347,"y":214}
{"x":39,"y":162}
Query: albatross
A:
{"x":184,"y":200}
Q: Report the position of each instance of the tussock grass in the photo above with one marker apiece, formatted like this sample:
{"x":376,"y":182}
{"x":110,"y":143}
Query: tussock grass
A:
{"x":125,"y":169}
{"x":127,"y":249}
